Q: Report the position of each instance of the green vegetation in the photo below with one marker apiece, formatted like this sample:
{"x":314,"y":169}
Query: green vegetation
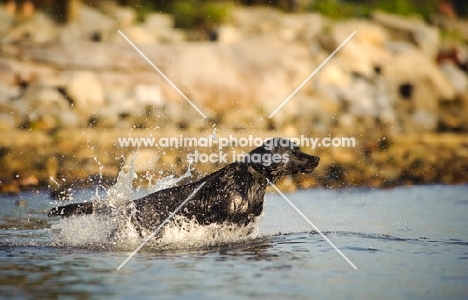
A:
{"x":206,"y":13}
{"x":194,"y":13}
{"x":362,"y":8}
{"x":187,"y":13}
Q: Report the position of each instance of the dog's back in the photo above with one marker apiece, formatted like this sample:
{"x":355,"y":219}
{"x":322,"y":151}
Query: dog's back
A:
{"x":232,"y":195}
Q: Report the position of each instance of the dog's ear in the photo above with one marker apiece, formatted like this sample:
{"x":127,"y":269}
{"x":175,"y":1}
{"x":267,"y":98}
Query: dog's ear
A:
{"x":270,"y":156}
{"x":280,"y":145}
{"x":269,"y":144}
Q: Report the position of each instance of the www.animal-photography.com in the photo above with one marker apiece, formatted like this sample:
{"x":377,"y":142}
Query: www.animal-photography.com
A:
{"x":233,"y":149}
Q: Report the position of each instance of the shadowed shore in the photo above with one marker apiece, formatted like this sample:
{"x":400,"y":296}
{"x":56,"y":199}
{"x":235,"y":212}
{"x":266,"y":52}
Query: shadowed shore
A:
{"x":87,"y":157}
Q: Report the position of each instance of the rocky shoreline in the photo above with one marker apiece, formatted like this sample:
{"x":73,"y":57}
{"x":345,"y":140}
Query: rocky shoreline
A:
{"x":88,"y":157}
{"x":67,"y":93}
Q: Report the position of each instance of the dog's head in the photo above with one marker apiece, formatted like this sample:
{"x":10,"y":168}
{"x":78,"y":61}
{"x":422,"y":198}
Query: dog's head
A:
{"x":280,"y":157}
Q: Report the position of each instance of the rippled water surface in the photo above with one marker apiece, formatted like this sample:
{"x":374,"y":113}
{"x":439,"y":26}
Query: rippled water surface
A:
{"x":407,"y":242}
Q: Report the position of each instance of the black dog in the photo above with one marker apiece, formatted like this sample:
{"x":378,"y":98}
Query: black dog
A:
{"x":233,"y":194}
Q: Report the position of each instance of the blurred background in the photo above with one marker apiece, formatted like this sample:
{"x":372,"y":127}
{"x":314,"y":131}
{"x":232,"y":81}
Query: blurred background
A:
{"x":71,"y":85}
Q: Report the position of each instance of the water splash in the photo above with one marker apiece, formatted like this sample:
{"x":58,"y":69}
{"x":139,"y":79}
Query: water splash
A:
{"x":188,"y":234}
{"x":111,"y":226}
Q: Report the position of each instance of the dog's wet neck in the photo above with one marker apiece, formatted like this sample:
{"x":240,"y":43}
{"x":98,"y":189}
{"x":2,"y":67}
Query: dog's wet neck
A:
{"x":258,"y":176}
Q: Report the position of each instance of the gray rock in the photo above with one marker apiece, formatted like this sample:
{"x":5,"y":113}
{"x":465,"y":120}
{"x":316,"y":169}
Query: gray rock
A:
{"x":417,"y":85}
{"x":85,"y":92}
{"x":162,"y":27}
{"x":366,"y":33}
{"x":425,"y":120}
{"x":266,"y":22}
{"x":303,"y":27}
{"x":124,"y":15}
{"x":411,"y":30}
{"x":45,"y":100}
{"x":103,"y":119}
{"x":86,"y":56}
{"x":8,"y":93}
{"x":229,"y":34}
{"x":332,"y":74}
{"x":7,"y":121}
{"x":69,"y":119}
{"x":384,"y":102}
{"x":359,"y":98}
{"x":40,"y":30}
{"x":138,"y":35}
{"x":93,"y":18}
{"x":147,"y":95}
{"x":120,"y":102}
{"x":362,"y":52}
{"x":256,"y":20}
{"x":464,"y":108}
{"x":457,"y":77}
{"x":6,"y":22}
{"x":7,"y":73}
{"x":44,"y":29}
{"x":400,"y":47}
{"x":90,"y":25}
{"x":157,"y":22}
{"x":172,"y":36}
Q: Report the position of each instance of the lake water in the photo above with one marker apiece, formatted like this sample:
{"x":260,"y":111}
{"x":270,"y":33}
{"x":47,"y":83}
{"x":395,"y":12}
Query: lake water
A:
{"x":407,"y":243}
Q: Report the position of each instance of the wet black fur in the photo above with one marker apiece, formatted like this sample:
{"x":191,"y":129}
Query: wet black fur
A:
{"x":233,"y":194}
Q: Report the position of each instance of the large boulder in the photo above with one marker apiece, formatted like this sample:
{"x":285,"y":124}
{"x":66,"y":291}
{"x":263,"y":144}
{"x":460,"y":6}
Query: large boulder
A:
{"x":40,"y":29}
{"x":332,"y":74}
{"x":457,"y":77}
{"x":6,"y":21}
{"x":417,"y":85}
{"x":359,"y":98}
{"x":464,"y":105}
{"x":147,"y":95}
{"x":137,"y":35}
{"x":43,"y":99}
{"x":159,"y":22}
{"x":300,"y":27}
{"x":124,"y":15}
{"x":263,"y":21}
{"x":8,"y":93}
{"x":229,"y":34}
{"x":413,"y":30}
{"x":85,"y":92}
{"x":44,"y":107}
{"x":362,"y":53}
{"x":256,"y":21}
{"x":88,"y":25}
